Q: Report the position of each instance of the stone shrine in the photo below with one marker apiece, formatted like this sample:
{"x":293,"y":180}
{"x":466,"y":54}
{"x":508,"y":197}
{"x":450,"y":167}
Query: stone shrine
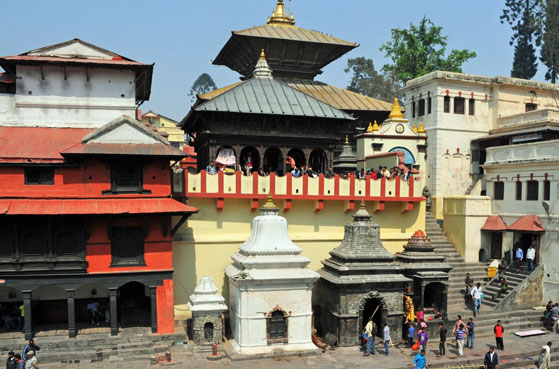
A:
{"x":207,"y":307}
{"x":360,"y":280}
{"x":270,"y":289}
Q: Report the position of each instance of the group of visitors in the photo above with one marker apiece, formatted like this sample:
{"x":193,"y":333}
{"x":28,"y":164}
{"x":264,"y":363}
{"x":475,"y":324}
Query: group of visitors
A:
{"x":552,"y":316}
{"x":27,"y":359}
{"x":369,"y":333}
{"x":474,"y":294}
{"x":530,"y":257}
{"x":12,"y":315}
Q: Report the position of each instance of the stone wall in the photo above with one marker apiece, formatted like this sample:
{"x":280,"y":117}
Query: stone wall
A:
{"x":527,"y":294}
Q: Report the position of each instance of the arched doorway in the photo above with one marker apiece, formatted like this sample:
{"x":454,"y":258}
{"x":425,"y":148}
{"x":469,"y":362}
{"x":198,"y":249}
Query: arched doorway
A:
{"x":49,"y":306}
{"x":273,"y":161}
{"x":318,"y":161}
{"x":92,"y":305}
{"x":434,"y":297}
{"x":373,"y":308}
{"x":408,"y":156}
{"x":249,"y":159}
{"x":134,"y":305}
{"x":299,"y":156}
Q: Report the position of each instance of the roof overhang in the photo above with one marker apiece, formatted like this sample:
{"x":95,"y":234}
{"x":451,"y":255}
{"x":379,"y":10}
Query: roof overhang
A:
{"x":104,"y":149}
{"x":527,"y":223}
{"x":494,"y":223}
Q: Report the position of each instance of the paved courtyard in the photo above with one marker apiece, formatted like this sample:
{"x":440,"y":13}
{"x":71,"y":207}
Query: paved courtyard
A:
{"x":517,"y":351}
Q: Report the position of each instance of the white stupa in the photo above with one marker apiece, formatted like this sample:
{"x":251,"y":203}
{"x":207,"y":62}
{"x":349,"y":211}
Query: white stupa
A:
{"x":270,"y":289}
{"x":207,"y":306}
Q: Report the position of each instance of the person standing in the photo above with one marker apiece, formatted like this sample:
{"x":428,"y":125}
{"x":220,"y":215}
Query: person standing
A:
{"x":469,"y":282}
{"x":531,"y":256}
{"x":411,"y":334}
{"x":499,"y":330}
{"x":460,"y":335}
{"x":11,"y":362}
{"x":369,"y":332}
{"x":19,"y":362}
{"x":491,"y":360}
{"x":554,"y":317}
{"x":544,"y":359}
{"x":476,"y":296}
{"x":31,"y":346}
{"x":423,"y":339}
{"x":31,"y":362}
{"x":518,"y":257}
{"x":457,"y":325}
{"x":386,"y":334}
{"x":420,"y":362}
{"x":211,"y":168}
{"x":471,"y":334}
{"x":442,"y":340}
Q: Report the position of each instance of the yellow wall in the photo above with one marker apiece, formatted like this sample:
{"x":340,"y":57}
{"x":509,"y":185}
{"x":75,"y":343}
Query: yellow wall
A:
{"x":205,"y":244}
{"x":437,"y":207}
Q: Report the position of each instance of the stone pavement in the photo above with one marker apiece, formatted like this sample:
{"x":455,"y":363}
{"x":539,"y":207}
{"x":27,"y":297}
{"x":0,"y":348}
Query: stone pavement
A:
{"x":349,"y":357}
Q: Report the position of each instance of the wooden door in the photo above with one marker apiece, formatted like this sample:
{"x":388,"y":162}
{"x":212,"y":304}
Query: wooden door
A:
{"x":496,"y":245}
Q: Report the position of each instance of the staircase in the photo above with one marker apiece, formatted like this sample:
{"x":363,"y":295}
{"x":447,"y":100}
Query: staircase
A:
{"x":476,"y":179}
{"x":491,"y":289}
{"x":440,"y":241}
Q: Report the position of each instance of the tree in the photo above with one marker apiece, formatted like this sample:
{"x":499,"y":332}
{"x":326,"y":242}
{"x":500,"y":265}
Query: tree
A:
{"x":526,"y":20}
{"x":421,"y":49}
{"x":550,"y":41}
{"x":367,"y":81}
{"x":203,"y":84}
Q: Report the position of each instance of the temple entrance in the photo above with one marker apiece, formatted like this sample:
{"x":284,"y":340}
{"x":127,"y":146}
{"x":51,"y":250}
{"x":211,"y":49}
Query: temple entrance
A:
{"x":496,"y":245}
{"x":273,"y":161}
{"x":523,"y":240}
{"x":134,"y":305}
{"x":249,"y":160}
{"x":433,"y":299}
{"x":92,"y":305}
{"x":373,"y":308}
{"x":298,"y":156}
{"x":318,"y":161}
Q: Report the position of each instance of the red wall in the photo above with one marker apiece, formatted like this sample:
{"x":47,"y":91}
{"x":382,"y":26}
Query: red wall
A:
{"x":88,"y":180}
{"x":165,"y":308}
{"x":158,"y":249}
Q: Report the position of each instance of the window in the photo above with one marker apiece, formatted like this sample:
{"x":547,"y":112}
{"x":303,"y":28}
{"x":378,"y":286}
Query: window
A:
{"x":126,"y":177}
{"x":421,"y":108}
{"x":127,"y":246}
{"x":413,"y":109}
{"x":471,"y":107}
{"x":546,"y":190}
{"x":459,"y":105}
{"x":68,"y":243}
{"x":39,"y":176}
{"x":6,"y":245}
{"x":447,"y":104}
{"x":531,"y":107}
{"x":499,"y":191}
{"x":428,"y":105}
{"x":518,"y":190}
{"x":34,"y":244}
{"x":532,"y":190}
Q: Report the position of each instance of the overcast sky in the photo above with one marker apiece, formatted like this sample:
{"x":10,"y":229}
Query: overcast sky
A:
{"x":182,"y":37}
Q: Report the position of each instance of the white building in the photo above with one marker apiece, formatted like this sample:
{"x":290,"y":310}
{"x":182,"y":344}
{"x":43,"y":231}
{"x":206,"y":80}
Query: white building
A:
{"x":270,"y":289}
{"x":71,"y":84}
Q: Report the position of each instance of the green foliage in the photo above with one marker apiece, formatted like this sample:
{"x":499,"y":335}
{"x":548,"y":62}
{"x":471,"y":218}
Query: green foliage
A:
{"x":367,"y":81}
{"x":421,"y":49}
{"x":550,"y":42}
{"x":203,"y":84}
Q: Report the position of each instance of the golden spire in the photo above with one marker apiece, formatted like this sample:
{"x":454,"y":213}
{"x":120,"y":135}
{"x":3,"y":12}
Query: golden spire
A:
{"x":375,"y":126}
{"x":414,"y":128}
{"x":370,"y":128}
{"x":396,"y":110}
{"x":346,"y":139}
{"x":269,"y":203}
{"x":262,"y":55}
{"x":279,"y":16}
{"x":420,"y":128}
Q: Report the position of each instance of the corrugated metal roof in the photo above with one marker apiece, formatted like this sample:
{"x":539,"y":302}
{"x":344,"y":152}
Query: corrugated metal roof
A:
{"x":54,"y":59}
{"x":292,"y":33}
{"x":270,"y":96}
{"x":93,"y":206}
{"x":338,"y":97}
{"x":215,"y":93}
{"x":37,"y":144}
{"x":125,"y":149}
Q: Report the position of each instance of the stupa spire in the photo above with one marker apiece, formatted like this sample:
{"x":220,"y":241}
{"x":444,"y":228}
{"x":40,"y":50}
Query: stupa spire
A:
{"x":396,"y":110}
{"x":262,"y":69}
{"x":279,"y":16}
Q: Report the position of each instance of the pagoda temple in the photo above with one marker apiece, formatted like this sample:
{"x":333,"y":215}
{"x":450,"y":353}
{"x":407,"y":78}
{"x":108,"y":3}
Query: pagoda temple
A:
{"x":263,"y":129}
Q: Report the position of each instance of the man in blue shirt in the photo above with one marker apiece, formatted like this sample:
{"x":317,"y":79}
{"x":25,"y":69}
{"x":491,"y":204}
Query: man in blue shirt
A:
{"x":212,"y":168}
{"x":518,"y":256}
{"x":419,"y":361}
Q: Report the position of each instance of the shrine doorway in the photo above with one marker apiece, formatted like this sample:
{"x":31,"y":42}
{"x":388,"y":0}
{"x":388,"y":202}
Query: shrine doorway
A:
{"x":249,"y":160}
{"x":373,"y":308}
{"x":134,"y":305}
{"x":299,"y":156}
{"x":273,"y":161}
{"x":434,"y":297}
{"x":318,"y":161}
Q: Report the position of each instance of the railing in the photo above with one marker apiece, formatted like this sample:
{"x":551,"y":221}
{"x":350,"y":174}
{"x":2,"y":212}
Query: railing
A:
{"x":351,"y":189}
{"x":536,"y":116}
{"x":542,"y":150}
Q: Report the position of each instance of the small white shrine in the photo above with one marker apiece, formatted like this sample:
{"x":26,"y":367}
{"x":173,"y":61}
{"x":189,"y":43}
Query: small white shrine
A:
{"x":270,"y":289}
{"x":207,"y":306}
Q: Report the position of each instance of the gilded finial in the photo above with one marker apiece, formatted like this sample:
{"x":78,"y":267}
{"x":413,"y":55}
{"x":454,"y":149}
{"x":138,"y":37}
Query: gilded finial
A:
{"x":279,"y":16}
{"x":414,"y":128}
{"x":420,"y":129}
{"x":370,"y":128}
{"x":269,"y":203}
{"x":396,"y":110}
{"x":346,"y":139}
{"x":262,"y":55}
{"x":375,"y":126}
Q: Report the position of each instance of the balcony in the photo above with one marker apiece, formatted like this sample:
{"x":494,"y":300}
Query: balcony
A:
{"x":529,"y":152}
{"x":529,"y":118}
{"x":319,"y":189}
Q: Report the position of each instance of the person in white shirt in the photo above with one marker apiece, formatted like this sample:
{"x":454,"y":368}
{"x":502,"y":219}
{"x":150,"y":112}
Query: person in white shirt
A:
{"x":531,"y":257}
{"x":476,"y":296}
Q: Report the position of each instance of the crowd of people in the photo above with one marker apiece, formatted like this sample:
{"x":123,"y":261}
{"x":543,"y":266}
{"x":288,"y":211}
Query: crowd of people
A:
{"x":27,"y":359}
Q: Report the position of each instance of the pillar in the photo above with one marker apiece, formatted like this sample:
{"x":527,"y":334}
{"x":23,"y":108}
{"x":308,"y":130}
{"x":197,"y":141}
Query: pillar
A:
{"x":71,"y":313}
{"x":422,"y":299}
{"x":153,"y":298}
{"x":28,"y":317}
{"x":445,"y":301}
{"x":114,"y":311}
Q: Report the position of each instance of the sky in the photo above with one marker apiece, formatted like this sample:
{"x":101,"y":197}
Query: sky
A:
{"x":182,"y":36}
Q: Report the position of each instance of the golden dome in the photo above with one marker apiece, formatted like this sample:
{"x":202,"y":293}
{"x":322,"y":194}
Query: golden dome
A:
{"x":396,"y":110}
{"x":375,"y":126}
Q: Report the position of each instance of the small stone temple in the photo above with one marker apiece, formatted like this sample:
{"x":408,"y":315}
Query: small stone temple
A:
{"x":360,"y":280}
{"x":207,"y":307}
{"x":428,"y":271}
{"x":270,"y":290}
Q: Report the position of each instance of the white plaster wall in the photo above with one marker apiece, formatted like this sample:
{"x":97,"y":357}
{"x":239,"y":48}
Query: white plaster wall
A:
{"x":71,"y":102}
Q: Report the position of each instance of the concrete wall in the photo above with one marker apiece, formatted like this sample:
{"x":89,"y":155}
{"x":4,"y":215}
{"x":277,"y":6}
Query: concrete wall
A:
{"x":463,"y":218}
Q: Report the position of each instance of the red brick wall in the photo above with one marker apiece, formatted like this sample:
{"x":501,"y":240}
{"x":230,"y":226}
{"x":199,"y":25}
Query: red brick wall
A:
{"x":165,"y":308}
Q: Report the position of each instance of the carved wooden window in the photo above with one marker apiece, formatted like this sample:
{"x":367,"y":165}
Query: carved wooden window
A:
{"x":68,"y":243}
{"x":126,"y":177}
{"x":127,"y":246}
{"x":39,"y":176}
{"x":6,"y":245}
{"x":34,"y":245}
{"x":277,"y":327}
